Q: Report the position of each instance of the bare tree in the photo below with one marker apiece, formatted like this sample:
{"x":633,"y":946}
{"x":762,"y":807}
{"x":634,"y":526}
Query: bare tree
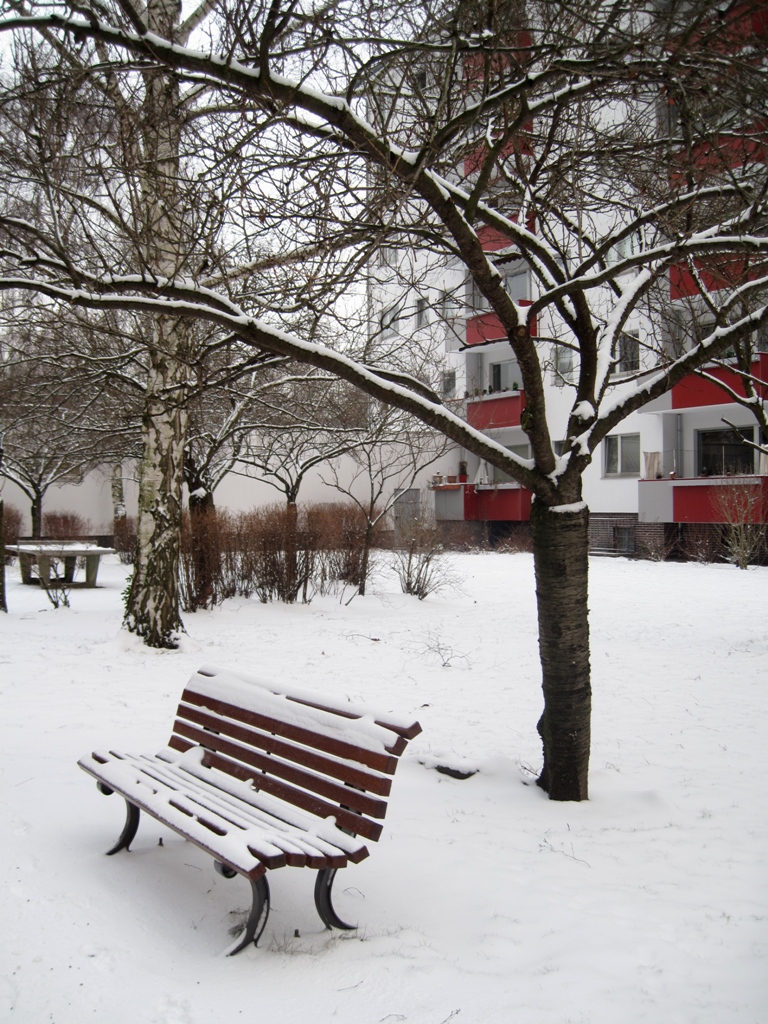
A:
{"x":112,"y":157}
{"x":387,"y":460}
{"x":607,"y":147}
{"x":3,"y":602}
{"x":740,"y":506}
{"x":54,"y":428}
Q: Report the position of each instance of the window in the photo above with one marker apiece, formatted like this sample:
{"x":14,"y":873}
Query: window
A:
{"x":521,"y":450}
{"x":723,"y":452}
{"x":624,"y":249}
{"x":515,"y":278}
{"x":388,"y":256}
{"x":622,"y":455}
{"x":563,"y":364}
{"x":388,"y":320}
{"x":477,"y":300}
{"x":421,"y":312}
{"x":627,"y":352}
{"x":504,"y":376}
{"x":676,"y":336}
{"x":703,"y":327}
{"x":448,"y":384}
{"x":761,"y":338}
{"x":449,"y":306}
{"x":624,"y":539}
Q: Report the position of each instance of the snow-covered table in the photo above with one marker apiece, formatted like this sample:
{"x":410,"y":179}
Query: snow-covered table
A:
{"x":260,"y":776}
{"x":46,"y":552}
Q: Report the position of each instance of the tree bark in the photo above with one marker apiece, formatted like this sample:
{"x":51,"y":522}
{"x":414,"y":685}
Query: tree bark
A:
{"x":291,"y":582}
{"x":118,"y":493}
{"x":3,"y":605}
{"x":206,"y":552}
{"x":365,"y":558}
{"x":37,"y":515}
{"x":152,"y":606}
{"x":560,"y":546}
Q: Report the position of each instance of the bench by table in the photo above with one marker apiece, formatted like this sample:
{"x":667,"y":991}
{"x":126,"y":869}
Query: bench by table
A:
{"x":261,"y":776}
{"x":45,"y":552}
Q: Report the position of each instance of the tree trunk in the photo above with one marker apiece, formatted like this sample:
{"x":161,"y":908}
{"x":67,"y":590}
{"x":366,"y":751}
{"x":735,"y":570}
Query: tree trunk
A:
{"x":206,"y":552}
{"x":37,"y":516}
{"x":365,"y":558}
{"x":3,"y":605}
{"x":291,"y":580}
{"x":560,"y":547}
{"x":118,"y":493}
{"x":152,"y":607}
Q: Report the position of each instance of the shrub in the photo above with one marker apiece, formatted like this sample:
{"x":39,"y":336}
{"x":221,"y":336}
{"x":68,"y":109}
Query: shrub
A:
{"x":418,"y":561}
{"x":701,"y":542}
{"x":740,"y":506}
{"x":12,"y":520}
{"x":277,"y":552}
{"x":345,"y":540}
{"x":65,"y":526}
{"x":124,"y":529}
{"x":200,"y":558}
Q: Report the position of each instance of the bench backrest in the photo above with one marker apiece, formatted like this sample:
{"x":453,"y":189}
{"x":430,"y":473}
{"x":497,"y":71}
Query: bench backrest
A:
{"x":329,"y":759}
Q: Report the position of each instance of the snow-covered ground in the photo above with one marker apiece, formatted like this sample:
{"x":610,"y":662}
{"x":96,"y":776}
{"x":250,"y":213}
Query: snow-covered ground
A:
{"x":483,"y":903}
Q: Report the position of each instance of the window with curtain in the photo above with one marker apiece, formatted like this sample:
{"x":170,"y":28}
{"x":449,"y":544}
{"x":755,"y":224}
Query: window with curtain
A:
{"x":622,"y":455}
{"x":523,"y":451}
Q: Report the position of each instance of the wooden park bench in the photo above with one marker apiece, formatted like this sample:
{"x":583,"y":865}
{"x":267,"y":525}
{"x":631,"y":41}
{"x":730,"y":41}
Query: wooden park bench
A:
{"x":261,"y":776}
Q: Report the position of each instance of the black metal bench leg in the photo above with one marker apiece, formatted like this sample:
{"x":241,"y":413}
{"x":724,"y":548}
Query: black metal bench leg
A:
{"x":323,"y":902}
{"x":257,"y":919}
{"x":130,"y":828}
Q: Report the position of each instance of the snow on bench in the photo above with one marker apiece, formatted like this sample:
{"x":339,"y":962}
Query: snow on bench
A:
{"x":261,"y":776}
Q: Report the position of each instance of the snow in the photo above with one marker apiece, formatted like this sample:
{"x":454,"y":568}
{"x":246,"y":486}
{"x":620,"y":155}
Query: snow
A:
{"x":246,"y":691}
{"x":483,"y":903}
{"x":573,"y":506}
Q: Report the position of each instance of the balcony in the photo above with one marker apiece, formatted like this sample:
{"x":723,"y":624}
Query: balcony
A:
{"x":711,"y":499}
{"x":486,"y":327}
{"x":502,"y":409}
{"x":694,"y":392}
{"x":490,"y":503}
{"x":458,"y":499}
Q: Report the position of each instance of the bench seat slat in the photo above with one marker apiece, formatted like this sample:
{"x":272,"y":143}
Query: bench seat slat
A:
{"x":295,"y":821}
{"x":289,"y":772}
{"x":242,"y":804}
{"x":347,"y":819}
{"x":271,"y":850}
{"x":147,"y":799}
{"x":299,"y":847}
{"x":249,"y":846}
{"x":330,"y":745}
{"x":336,"y":768}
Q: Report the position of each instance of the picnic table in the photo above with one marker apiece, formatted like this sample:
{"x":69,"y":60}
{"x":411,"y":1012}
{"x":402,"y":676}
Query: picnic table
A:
{"x":45,"y":553}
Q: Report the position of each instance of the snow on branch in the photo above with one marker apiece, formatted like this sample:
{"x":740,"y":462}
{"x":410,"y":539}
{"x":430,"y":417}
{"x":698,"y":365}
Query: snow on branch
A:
{"x":184,"y":299}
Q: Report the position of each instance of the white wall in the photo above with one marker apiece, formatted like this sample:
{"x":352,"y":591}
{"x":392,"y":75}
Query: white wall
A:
{"x":92,"y":500}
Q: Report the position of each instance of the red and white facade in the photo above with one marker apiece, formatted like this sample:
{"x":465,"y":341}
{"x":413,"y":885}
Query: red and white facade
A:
{"x":674,"y":463}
